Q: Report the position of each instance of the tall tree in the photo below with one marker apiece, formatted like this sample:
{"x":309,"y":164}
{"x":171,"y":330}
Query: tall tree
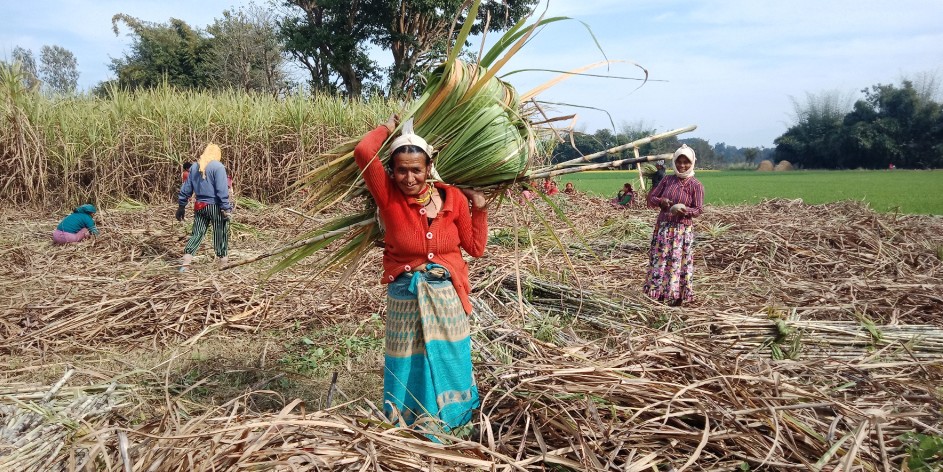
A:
{"x":24,"y":57}
{"x":417,"y":32}
{"x":813,"y":140}
{"x":330,"y":38}
{"x":174,"y":52}
{"x":58,"y":69}
{"x":900,"y":125}
{"x":246,"y":52}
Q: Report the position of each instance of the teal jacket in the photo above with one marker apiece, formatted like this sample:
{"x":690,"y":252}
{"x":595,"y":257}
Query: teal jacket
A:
{"x":80,"y":218}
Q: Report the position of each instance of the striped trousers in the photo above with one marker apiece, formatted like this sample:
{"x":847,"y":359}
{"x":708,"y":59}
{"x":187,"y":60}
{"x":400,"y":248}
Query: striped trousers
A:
{"x":209,"y":215}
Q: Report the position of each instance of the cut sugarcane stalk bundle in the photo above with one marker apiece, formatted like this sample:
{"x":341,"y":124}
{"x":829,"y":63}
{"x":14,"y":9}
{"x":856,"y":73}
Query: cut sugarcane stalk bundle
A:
{"x":483,"y":130}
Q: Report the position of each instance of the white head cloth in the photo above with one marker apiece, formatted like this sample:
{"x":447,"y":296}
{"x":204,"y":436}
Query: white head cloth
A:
{"x":684,"y":150}
{"x":408,"y":137}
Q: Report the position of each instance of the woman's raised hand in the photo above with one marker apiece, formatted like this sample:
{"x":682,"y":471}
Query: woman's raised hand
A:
{"x":391,"y":122}
{"x":477,"y":198}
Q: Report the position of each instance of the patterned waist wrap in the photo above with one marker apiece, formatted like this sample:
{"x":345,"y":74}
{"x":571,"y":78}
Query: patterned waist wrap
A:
{"x":428,"y":368}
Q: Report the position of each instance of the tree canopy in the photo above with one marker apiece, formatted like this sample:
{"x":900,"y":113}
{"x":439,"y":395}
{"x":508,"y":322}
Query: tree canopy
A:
{"x":332,"y":38}
{"x":24,"y":57}
{"x":900,"y":125}
{"x":173,"y":52}
{"x":58,"y":70}
{"x":245,"y":51}
{"x":240,"y":50}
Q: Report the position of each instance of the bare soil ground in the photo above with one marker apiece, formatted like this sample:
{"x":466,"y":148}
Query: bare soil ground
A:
{"x":816,"y":341}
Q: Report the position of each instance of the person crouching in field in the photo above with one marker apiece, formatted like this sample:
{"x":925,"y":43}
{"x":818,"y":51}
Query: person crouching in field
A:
{"x":77,"y":226}
{"x":427,"y":363}
{"x":680,"y":197}
{"x":209,"y":182}
{"x":624,"y":198}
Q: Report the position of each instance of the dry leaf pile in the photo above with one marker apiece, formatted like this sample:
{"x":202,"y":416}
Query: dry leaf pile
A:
{"x":814,"y":344}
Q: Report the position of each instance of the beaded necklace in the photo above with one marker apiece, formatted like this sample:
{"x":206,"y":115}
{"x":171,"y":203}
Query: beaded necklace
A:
{"x":426,"y":196}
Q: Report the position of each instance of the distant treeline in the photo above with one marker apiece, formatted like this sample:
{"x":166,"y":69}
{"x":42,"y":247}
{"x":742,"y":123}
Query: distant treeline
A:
{"x":899,"y":125}
{"x":709,"y":156}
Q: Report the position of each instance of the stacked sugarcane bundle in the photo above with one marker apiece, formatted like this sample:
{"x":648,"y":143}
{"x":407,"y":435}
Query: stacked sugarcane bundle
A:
{"x":41,"y":428}
{"x":483,"y":132}
{"x":792,"y":337}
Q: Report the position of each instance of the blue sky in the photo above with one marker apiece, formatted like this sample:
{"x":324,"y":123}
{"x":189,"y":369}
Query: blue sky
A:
{"x":729,"y":67}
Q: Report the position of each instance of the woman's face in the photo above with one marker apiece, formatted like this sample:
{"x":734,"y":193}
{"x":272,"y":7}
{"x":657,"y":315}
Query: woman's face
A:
{"x":410,"y":171}
{"x":683,"y":164}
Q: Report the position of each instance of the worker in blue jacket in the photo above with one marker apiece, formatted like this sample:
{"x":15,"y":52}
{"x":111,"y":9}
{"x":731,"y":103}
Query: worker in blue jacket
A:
{"x":209,"y":183}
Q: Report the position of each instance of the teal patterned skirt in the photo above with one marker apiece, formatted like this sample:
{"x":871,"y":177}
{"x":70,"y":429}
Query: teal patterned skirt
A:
{"x":428,"y":376}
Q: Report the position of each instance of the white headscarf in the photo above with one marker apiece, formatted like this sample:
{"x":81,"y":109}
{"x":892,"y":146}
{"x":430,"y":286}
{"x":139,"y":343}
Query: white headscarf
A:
{"x":684,"y":150}
{"x":408,"y":137}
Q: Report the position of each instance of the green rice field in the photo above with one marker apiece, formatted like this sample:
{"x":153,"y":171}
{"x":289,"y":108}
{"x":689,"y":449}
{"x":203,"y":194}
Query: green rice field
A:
{"x":906,"y":191}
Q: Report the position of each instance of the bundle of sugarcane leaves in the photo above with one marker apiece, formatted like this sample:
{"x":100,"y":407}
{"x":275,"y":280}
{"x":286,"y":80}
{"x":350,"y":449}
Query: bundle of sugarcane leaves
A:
{"x":481,"y":128}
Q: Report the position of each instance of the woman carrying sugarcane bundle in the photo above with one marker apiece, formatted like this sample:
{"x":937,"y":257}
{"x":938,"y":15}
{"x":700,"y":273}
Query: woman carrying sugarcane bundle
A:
{"x":680,"y":197}
{"x":427,"y":365}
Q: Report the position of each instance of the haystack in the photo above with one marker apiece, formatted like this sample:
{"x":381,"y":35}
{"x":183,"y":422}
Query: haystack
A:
{"x":765,"y":166}
{"x":783,"y":166}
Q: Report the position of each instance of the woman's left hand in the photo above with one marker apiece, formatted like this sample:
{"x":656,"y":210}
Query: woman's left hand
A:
{"x":477,"y":198}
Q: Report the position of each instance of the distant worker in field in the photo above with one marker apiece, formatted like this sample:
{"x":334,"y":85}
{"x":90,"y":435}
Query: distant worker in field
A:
{"x":209,"y":182}
{"x":569,"y":189}
{"x":550,"y":187}
{"x":624,"y":197}
{"x":185,"y":170}
{"x":659,"y":173}
{"x":77,"y":226}
{"x":680,"y":197}
{"x":427,"y":362}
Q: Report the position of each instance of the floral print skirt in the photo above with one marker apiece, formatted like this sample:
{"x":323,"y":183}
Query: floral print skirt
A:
{"x":671,"y":263}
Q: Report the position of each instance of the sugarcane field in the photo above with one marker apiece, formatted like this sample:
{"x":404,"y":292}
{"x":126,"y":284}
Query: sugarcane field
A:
{"x":198,"y":279}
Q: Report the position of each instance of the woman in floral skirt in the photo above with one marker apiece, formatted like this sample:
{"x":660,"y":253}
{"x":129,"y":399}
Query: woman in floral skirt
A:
{"x":671,"y":258}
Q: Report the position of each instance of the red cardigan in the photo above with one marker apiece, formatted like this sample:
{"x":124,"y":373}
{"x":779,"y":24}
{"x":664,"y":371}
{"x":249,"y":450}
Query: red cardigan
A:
{"x":410,"y":240}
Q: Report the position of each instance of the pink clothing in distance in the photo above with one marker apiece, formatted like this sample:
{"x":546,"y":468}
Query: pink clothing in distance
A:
{"x":63,"y":237}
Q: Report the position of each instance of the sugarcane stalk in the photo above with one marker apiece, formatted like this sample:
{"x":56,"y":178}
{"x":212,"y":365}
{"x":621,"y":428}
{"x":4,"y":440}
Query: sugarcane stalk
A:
{"x":638,"y":165}
{"x":623,"y":147}
{"x":297,"y":244}
{"x":549,"y":172}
